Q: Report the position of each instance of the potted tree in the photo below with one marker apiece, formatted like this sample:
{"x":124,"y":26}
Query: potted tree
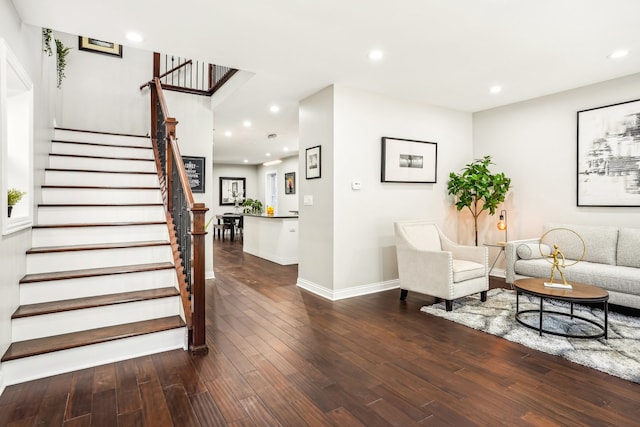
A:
{"x":13,"y":197}
{"x":477,"y":189}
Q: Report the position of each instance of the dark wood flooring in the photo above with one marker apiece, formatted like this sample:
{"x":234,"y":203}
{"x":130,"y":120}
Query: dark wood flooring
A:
{"x":282,"y":356}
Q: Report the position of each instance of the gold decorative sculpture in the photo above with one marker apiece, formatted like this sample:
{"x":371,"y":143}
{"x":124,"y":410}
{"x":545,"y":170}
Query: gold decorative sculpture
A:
{"x":559,"y":260}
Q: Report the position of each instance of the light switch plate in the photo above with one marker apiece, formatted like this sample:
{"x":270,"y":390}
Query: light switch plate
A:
{"x":308,"y":200}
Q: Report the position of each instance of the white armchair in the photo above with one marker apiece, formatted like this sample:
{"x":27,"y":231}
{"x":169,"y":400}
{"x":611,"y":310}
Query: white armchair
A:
{"x":431,"y":264}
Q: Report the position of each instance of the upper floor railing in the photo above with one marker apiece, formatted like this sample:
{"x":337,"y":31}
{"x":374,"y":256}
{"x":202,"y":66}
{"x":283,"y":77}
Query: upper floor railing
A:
{"x":189,"y":76}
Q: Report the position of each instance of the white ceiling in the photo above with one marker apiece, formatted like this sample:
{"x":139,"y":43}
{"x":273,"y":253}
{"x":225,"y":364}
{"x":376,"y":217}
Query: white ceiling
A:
{"x":438,"y":52}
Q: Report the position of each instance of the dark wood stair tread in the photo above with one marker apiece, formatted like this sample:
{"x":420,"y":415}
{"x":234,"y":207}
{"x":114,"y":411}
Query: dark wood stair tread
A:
{"x":98,"y":187}
{"x":102,"y":132}
{"x":104,"y":205}
{"x":96,"y":301}
{"x":99,"y":224}
{"x":83,"y":156}
{"x":28,"y":348}
{"x":97,"y":144}
{"x":97,"y":246}
{"x":90,"y":272}
{"x":98,"y":171}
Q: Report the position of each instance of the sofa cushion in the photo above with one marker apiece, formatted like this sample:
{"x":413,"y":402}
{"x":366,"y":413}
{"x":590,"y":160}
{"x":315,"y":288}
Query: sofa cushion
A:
{"x":612,"y":278}
{"x":532,"y":250}
{"x":629,"y":247}
{"x":600,"y":241}
{"x":465,"y":270}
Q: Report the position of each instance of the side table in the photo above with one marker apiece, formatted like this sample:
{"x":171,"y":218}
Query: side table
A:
{"x":500,"y":245}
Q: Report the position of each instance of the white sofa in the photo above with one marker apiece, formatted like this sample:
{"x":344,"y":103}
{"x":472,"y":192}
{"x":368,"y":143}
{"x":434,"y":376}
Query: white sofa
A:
{"x":611,"y":260}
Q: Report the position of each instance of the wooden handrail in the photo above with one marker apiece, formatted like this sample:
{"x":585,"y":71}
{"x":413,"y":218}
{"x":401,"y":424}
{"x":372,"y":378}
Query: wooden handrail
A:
{"x":174,"y":69}
{"x":187,"y":239}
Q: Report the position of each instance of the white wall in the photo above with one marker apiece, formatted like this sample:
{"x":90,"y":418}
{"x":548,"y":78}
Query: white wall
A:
{"x":286,"y":202}
{"x":102,"y":92}
{"x":349,"y":124}
{"x":26,"y":43}
{"x":534,"y":143}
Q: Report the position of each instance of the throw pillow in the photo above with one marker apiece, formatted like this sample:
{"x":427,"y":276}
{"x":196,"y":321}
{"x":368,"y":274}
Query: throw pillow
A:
{"x":629,"y":247}
{"x":532,"y":250}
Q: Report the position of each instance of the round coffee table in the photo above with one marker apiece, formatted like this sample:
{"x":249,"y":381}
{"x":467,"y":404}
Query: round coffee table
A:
{"x":580,"y":294}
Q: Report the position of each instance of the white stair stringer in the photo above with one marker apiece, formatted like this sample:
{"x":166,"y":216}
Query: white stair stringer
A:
{"x":59,"y":362}
{"x":64,"y":236}
{"x":100,"y":272}
{"x":57,"y":290}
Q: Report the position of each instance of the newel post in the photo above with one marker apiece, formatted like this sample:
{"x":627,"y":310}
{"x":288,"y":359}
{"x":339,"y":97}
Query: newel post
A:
{"x":198,"y":343}
{"x":170,"y":126}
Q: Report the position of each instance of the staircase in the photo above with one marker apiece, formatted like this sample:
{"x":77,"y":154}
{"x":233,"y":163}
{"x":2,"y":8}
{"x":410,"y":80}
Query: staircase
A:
{"x":100,"y":284}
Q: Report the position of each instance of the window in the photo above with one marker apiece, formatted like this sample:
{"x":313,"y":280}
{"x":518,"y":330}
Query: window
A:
{"x":271,"y":190}
{"x":16,"y":140}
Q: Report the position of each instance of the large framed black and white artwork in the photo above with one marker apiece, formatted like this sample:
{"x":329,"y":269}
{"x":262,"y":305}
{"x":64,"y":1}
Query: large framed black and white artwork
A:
{"x":408,"y":160}
{"x":608,"y":169}
{"x":232,"y":190}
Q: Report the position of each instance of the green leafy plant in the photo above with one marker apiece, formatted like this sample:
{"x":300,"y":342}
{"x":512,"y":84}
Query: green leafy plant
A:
{"x":14,"y":196}
{"x":477,"y":189}
{"x":62,"y":52}
{"x":46,"y":41}
{"x":252,"y":206}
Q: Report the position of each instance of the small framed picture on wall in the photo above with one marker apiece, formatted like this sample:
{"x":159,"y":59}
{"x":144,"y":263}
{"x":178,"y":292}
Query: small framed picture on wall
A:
{"x":313,"y":162}
{"x":290,"y":183}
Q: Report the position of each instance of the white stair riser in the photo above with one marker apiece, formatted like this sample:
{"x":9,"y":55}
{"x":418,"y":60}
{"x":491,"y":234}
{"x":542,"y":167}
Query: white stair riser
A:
{"x":96,"y":214}
{"x":57,"y":290}
{"x":101,"y":151}
{"x":79,"y":260}
{"x":41,"y":366}
{"x":42,"y":237}
{"x":84,"y":163}
{"x":65,"y":322}
{"x":65,"y":135}
{"x":99,"y":195}
{"x":101,"y":179}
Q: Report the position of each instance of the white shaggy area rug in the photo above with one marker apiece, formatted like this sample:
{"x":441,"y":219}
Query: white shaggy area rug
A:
{"x":619,"y":355}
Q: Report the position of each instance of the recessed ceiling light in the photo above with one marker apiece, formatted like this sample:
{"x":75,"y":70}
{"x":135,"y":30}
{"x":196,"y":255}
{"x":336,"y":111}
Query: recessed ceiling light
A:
{"x":246,"y":124}
{"x":274,"y":108}
{"x":268,"y":154}
{"x":286,"y":149}
{"x":495,"y":89}
{"x":246,"y":161}
{"x":272,"y":162}
{"x":619,"y":54}
{"x":376,"y":55}
{"x":228,"y":133}
{"x":134,"y":37}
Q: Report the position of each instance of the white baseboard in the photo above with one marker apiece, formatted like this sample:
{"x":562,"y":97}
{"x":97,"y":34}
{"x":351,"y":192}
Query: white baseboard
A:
{"x":499,"y":272}
{"x":209,"y":275}
{"x":2,"y":384}
{"x":347,"y":292}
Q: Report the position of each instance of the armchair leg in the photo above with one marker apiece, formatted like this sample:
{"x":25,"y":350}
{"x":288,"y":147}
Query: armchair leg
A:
{"x":403,"y":294}
{"x":483,"y":296}
{"x":448,"y":304}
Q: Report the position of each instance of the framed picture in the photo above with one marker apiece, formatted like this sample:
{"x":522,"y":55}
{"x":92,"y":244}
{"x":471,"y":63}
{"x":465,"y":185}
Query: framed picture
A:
{"x":194,"y":166}
{"x":232,"y":190}
{"x":290,"y":183}
{"x":407,"y":160}
{"x":608,"y":170}
{"x":99,"y":46}
{"x":313,"y":162}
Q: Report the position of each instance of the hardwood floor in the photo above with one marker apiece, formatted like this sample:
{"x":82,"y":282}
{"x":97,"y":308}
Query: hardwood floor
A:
{"x":279,"y":355}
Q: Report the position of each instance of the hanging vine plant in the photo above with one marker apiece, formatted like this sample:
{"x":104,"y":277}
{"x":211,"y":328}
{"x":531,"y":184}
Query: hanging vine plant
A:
{"x":46,"y":41}
{"x":62,"y":52}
